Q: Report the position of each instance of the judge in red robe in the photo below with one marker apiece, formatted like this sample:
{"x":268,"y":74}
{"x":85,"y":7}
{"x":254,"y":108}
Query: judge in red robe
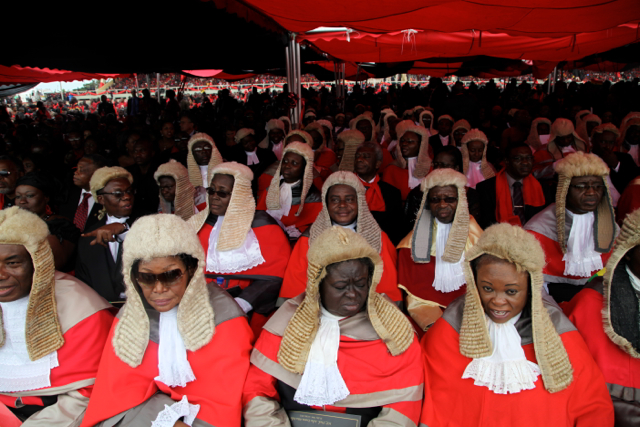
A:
{"x":606,"y":313}
{"x":563,"y":140}
{"x":503,"y":355}
{"x":577,"y":231}
{"x":264,"y":180}
{"x":247,"y":251}
{"x":292,"y":199}
{"x":414,"y":163}
{"x":430,"y":257}
{"x":53,"y":327}
{"x":173,"y":339}
{"x":371,"y":358}
{"x":344,"y":205}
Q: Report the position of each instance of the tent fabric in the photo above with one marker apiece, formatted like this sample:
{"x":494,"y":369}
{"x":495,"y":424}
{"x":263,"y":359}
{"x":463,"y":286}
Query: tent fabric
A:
{"x":14,"y":89}
{"x":481,"y":66}
{"x":412,"y":46}
{"x":537,"y":18}
{"x":26,"y":75}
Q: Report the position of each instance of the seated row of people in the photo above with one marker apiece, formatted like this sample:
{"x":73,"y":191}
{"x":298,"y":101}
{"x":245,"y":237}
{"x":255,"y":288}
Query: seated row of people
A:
{"x":339,"y":347}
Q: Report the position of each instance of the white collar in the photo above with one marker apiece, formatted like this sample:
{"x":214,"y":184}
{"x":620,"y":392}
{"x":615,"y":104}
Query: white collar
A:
{"x":252,"y":158}
{"x":411,"y":166}
{"x":286,"y":200}
{"x":507,"y":369}
{"x":204,"y":172}
{"x":448,"y":276}
{"x":17,"y":371}
{"x":322,"y":383}
{"x":173,"y":367}
{"x":243,"y":258}
{"x":351,"y":226}
{"x":581,"y":258}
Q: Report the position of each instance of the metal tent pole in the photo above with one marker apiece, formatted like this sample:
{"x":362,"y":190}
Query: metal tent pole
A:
{"x":555,"y":75}
{"x":158,"y":86}
{"x":298,"y":77}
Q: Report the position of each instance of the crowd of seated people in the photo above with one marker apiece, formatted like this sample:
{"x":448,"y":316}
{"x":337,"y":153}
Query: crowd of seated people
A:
{"x":427,"y":256}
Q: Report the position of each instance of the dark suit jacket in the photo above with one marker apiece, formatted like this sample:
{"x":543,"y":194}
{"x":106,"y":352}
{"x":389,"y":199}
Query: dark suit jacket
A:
{"x":95,"y":265}
{"x":390,"y":221}
{"x":70,"y":206}
{"x":626,"y":172}
{"x":266,"y":157}
{"x":147,"y":191}
{"x":487,"y":194}
{"x":436,"y":144}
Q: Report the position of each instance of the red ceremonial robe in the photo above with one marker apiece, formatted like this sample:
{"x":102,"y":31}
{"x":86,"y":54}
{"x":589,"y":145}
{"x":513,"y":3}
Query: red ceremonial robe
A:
{"x":323,"y":162}
{"x":295,"y":277}
{"x":85,"y":319}
{"x":629,"y":201}
{"x":399,"y":178}
{"x":418,"y":278}
{"x":308,"y":215}
{"x":621,"y":371}
{"x":383,"y":386}
{"x":133,"y":397}
{"x":373,"y":194}
{"x":543,"y":227}
{"x":260,"y":285}
{"x":453,"y":401}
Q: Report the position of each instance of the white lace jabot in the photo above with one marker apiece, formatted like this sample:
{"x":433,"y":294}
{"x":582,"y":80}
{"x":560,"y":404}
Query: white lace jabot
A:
{"x":322,"y":383}
{"x":448,"y":275}
{"x":244,"y":258}
{"x":507,"y":370}
{"x":581,"y":258}
{"x":17,"y":371}
{"x":173,"y":367}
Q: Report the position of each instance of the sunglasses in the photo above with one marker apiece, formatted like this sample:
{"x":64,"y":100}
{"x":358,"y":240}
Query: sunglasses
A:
{"x":447,"y":200}
{"x":119,"y":194}
{"x":221,"y":194}
{"x":166,"y":279}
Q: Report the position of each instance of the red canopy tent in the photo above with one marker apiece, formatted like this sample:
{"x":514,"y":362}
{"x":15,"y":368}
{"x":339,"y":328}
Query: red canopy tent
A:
{"x":414,"y":45}
{"x":532,"y":18}
{"x":23,"y":75}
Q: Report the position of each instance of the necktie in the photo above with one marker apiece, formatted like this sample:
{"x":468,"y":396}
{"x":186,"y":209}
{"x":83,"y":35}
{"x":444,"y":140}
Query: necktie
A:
{"x":82,"y":212}
{"x":518,"y":201}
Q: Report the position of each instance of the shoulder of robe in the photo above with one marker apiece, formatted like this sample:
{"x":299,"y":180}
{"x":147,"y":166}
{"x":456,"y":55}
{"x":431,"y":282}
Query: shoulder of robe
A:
{"x":262,"y":218}
{"x":75,"y":301}
{"x":224,"y":306}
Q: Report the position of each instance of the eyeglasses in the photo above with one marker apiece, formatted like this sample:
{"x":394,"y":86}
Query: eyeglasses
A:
{"x":205,"y":148}
{"x":584,"y":187}
{"x":166,"y":279}
{"x":448,"y":200}
{"x":221,"y":194}
{"x":5,"y":173}
{"x":519,"y":159}
{"x":119,"y":194}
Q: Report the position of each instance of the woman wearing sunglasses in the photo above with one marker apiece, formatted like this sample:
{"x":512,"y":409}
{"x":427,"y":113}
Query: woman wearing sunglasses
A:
{"x":430,"y":257}
{"x":174,"y":339}
{"x":246,"y":251}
